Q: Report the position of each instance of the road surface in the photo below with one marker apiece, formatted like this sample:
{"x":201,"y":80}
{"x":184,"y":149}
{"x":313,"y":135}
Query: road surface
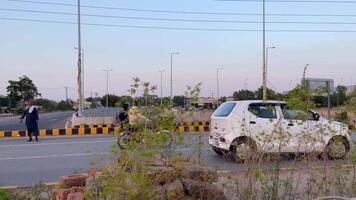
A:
{"x":47,"y":121}
{"x":27,"y":164}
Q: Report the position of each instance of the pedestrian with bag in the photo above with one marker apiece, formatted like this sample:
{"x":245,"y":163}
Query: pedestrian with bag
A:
{"x":31,"y":115}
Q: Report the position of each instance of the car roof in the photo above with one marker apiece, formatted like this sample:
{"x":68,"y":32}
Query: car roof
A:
{"x":259,"y":101}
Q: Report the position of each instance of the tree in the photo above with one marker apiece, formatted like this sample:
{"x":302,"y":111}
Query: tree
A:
{"x":298,"y":98}
{"x":64,"y":105}
{"x":179,"y":101}
{"x":351,"y":103}
{"x":112,"y":99}
{"x":339,"y":97}
{"x":244,"y":95}
{"x":46,"y":104}
{"x":23,"y":89}
{"x":271,"y":95}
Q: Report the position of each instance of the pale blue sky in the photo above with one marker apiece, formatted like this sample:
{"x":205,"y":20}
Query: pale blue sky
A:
{"x":45,"y":53}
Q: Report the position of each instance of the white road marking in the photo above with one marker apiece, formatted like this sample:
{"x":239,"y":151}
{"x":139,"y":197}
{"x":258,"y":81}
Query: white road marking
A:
{"x":54,"y":156}
{"x":51,"y":120}
{"x":58,"y":143}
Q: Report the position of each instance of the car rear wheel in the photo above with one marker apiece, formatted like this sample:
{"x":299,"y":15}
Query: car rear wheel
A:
{"x":337,"y":149}
{"x":243,"y":150}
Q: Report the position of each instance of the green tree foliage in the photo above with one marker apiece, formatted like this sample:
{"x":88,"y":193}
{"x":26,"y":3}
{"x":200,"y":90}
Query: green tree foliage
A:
{"x":112,"y":100}
{"x":299,"y":98}
{"x":64,"y":105}
{"x":271,"y":94}
{"x":339,"y":97}
{"x":179,"y":101}
{"x":244,"y":95}
{"x":351,"y":103}
{"x":46,"y":104}
{"x":22,"y":89}
{"x":4,"y":101}
{"x":124,"y":99}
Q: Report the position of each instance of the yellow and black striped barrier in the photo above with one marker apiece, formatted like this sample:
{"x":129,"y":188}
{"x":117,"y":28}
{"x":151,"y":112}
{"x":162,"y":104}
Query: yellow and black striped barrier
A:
{"x":104,"y":129}
{"x":193,"y":127}
{"x":64,"y":132}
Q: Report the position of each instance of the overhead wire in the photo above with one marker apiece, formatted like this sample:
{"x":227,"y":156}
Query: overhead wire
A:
{"x":175,"y":19}
{"x":177,"y":28}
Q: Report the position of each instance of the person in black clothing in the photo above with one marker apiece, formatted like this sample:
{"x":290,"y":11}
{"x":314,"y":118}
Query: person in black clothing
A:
{"x":31,"y":114}
{"x":124,"y":115}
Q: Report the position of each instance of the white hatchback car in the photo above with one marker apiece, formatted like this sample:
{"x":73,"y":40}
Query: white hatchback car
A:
{"x":241,"y":127}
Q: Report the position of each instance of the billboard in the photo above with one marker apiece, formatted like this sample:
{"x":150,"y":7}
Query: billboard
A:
{"x":320,"y":86}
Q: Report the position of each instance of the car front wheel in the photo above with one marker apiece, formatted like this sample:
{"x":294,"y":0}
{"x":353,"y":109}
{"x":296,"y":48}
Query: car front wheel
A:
{"x":336,"y":149}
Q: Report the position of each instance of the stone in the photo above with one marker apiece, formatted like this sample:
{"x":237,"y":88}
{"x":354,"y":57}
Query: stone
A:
{"x":75,"y":180}
{"x":202,"y":190}
{"x":76,"y":196}
{"x":61,"y":194}
{"x":174,"y":190}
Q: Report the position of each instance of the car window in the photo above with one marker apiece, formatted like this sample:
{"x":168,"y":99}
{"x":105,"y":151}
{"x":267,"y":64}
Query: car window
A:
{"x":225,"y":109}
{"x":294,"y":114}
{"x":263,"y":110}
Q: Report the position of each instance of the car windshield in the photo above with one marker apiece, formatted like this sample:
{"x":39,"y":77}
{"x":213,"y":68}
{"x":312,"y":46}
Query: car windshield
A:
{"x":225,"y":109}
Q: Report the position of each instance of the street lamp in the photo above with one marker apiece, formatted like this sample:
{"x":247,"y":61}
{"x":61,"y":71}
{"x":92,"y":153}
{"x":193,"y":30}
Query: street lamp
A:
{"x":171,"y":92}
{"x":107,"y":85}
{"x":161,"y":72}
{"x":217,"y":84}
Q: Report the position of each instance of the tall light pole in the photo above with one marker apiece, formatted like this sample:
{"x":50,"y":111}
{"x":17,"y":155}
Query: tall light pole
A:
{"x":264,"y":83}
{"x":266,"y":65}
{"x":79,"y":78}
{"x":83,"y":76}
{"x":161,"y":72}
{"x":304,"y":76}
{"x":171,"y":92}
{"x":107,"y":85}
{"x":217,"y":85}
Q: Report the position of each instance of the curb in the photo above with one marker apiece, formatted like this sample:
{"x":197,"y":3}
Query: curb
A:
{"x":103,"y":129}
{"x":63,"y":132}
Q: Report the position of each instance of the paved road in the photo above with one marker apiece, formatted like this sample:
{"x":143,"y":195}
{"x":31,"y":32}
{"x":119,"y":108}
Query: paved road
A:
{"x":26,"y":164}
{"x":47,"y":121}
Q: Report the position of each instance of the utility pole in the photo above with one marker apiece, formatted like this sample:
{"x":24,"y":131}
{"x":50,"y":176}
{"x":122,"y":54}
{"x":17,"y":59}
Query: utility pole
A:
{"x":161,"y":72}
{"x":83,"y":76}
{"x":267,"y":50}
{"x":107,"y":85}
{"x":217,"y":85}
{"x":79,"y":78}
{"x":304,"y":84}
{"x":171,"y":92}
{"x":66,"y":88}
{"x":246,"y":79}
{"x":264,"y":83}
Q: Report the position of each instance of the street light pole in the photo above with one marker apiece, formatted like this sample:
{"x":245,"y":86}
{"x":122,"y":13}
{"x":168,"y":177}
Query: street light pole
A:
{"x":266,"y":64}
{"x":107,"y":85}
{"x":217,"y":85}
{"x":171,"y":91}
{"x":161,"y":72}
{"x":83,"y":76}
{"x":264,"y":50}
{"x":79,"y":78}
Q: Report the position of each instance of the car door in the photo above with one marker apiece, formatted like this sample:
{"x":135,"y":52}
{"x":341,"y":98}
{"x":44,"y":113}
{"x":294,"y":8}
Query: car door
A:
{"x":295,"y":130}
{"x":264,"y":124}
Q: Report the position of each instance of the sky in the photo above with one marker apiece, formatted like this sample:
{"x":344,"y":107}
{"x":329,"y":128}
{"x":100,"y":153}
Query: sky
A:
{"x":45,"y":51}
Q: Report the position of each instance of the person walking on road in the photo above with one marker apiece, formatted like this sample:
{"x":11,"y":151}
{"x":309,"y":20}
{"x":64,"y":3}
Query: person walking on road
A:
{"x":31,"y":114}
